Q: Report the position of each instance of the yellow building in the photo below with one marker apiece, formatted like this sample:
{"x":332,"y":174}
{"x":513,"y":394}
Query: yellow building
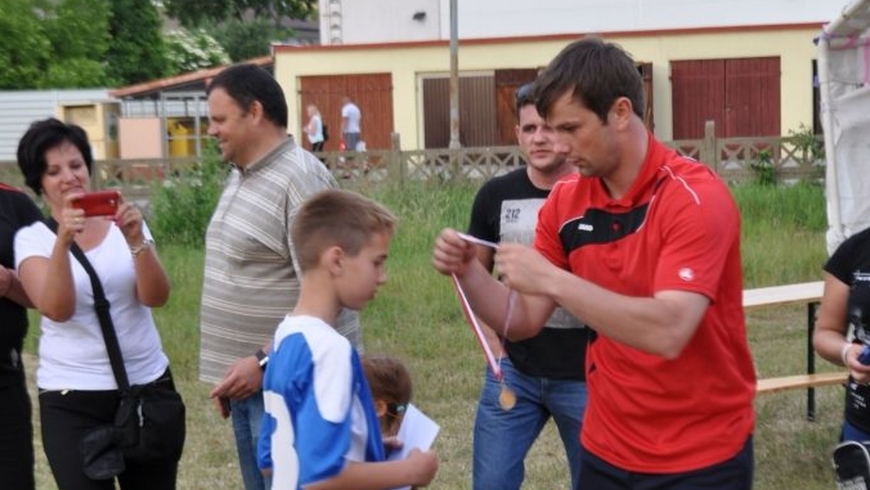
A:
{"x":753,"y":80}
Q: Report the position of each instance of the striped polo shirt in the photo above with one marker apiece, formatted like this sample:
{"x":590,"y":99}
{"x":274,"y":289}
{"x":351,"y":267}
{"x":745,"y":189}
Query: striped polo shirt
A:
{"x":250,"y":282}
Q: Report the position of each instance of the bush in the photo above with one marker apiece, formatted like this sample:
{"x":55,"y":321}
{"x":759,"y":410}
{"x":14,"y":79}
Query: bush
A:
{"x":762,"y":167}
{"x":810,"y":146}
{"x":183,"y":204}
{"x":189,"y":50}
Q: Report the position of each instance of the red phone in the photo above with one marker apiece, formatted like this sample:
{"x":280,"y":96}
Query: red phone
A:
{"x":101,"y":203}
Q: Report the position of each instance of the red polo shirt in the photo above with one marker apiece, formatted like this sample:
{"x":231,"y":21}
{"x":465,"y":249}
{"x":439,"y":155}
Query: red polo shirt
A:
{"x":677,"y":228}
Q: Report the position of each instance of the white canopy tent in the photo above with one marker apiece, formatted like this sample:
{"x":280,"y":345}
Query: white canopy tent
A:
{"x":844,"y":83}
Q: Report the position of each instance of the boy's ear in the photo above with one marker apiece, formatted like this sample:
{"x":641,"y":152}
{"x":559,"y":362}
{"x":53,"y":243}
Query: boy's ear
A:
{"x":333,"y":260}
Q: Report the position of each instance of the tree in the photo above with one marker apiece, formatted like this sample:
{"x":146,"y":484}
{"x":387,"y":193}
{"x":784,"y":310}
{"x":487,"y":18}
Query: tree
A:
{"x":79,"y":43}
{"x":194,"y":12}
{"x":25,"y":50}
{"x":78,"y":32}
{"x":137,"y":52}
{"x":244,"y":40}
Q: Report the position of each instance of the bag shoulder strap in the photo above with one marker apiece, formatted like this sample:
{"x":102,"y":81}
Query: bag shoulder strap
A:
{"x":101,"y":305}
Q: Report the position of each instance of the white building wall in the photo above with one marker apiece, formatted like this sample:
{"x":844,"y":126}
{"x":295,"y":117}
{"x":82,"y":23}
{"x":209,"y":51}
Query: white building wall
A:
{"x":19,"y":108}
{"x":381,"y":21}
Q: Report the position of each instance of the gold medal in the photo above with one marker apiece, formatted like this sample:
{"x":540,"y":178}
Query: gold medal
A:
{"x":507,"y":398}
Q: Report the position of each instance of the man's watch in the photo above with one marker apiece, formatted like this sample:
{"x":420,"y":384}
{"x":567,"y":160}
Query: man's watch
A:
{"x":262,"y":358}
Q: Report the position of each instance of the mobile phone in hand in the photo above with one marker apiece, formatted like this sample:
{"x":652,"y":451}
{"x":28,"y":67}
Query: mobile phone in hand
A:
{"x":100,"y":203}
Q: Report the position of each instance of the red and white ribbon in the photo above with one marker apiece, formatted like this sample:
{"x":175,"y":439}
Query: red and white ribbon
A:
{"x":494,"y":365}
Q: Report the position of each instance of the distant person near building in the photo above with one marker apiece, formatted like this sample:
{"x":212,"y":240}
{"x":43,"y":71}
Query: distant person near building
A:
{"x":314,"y":128}
{"x":351,"y":117}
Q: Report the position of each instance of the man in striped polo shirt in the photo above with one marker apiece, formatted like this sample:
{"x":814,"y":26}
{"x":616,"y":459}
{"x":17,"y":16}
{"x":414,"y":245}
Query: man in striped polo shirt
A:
{"x":250,"y":281}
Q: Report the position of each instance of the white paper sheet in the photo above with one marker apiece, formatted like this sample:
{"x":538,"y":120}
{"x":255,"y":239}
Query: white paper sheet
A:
{"x":417,"y":431}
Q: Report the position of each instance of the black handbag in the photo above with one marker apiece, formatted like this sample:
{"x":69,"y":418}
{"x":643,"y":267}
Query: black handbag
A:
{"x":149,"y":425}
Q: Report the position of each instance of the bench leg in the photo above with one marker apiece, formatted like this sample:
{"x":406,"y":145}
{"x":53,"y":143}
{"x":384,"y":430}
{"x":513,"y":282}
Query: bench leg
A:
{"x":811,"y":360}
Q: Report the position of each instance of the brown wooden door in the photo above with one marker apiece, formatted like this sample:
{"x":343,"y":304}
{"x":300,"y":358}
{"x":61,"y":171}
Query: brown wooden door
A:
{"x":741,"y":95}
{"x":477,"y":111}
{"x":646,"y":73}
{"x":509,"y":80}
{"x":373,"y":93}
{"x":752,"y":97}
{"x":698,"y":91}
{"x":506,"y":84}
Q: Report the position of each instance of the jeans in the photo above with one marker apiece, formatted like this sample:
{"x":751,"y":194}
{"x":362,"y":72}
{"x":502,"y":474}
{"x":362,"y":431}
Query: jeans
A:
{"x":852,"y":433}
{"x":247,"y":414}
{"x":351,"y":140}
{"x":503,"y":437}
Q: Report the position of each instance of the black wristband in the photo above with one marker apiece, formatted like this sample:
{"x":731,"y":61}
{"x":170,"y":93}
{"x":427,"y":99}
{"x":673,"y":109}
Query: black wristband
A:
{"x":262,"y":358}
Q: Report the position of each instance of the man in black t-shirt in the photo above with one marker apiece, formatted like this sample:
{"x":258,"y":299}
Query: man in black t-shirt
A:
{"x":545,"y":372}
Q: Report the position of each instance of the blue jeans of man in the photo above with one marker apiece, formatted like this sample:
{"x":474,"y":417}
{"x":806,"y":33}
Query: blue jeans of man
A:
{"x":351,"y":140}
{"x":503,"y":437}
{"x":247,"y":414}
{"x":852,"y":433}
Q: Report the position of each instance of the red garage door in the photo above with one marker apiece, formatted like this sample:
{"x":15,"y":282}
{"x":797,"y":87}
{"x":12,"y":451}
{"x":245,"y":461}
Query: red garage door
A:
{"x":741,"y":95}
{"x":373,"y":93}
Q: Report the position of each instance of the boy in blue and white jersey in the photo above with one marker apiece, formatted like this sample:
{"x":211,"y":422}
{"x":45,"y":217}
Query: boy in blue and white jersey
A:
{"x":321,"y":428}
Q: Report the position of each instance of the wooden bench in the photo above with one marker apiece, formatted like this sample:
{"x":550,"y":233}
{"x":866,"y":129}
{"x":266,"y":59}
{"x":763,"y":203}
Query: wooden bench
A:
{"x":809,"y":293}
{"x":798,"y":381}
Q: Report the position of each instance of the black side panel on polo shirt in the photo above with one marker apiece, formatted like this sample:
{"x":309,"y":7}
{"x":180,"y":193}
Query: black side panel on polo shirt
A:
{"x":598,"y":226}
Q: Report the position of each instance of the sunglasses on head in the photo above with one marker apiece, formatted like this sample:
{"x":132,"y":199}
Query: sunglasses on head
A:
{"x":524,"y":92}
{"x":396,"y":409}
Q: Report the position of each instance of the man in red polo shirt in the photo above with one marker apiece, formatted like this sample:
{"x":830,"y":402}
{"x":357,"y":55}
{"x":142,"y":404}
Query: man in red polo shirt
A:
{"x":644,"y":248}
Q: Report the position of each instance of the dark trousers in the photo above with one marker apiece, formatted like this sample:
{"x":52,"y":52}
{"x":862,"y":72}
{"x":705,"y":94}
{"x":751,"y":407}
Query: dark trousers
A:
{"x":315,"y":147}
{"x":733,"y":474}
{"x":67,"y":416}
{"x":16,"y":437}
{"x":350,"y":141}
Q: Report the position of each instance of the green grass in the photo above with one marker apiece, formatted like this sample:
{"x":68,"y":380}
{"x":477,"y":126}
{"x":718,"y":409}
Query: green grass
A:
{"x":416,"y":317}
{"x":783,"y":233}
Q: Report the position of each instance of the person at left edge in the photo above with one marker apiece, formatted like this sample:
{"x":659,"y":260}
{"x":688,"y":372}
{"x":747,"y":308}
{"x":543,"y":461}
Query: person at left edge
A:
{"x":77,"y":388}
{"x":17,"y":210}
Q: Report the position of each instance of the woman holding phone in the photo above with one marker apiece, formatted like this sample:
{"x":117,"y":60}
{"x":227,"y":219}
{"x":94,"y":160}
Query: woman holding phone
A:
{"x":77,"y":388}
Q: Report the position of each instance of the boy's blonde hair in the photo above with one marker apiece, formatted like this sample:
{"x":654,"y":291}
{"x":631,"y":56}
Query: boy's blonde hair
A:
{"x":337,"y":217}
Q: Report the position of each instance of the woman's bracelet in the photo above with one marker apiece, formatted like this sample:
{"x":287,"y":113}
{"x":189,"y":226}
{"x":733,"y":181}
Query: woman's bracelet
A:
{"x":844,"y":352}
{"x":146,"y":244}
